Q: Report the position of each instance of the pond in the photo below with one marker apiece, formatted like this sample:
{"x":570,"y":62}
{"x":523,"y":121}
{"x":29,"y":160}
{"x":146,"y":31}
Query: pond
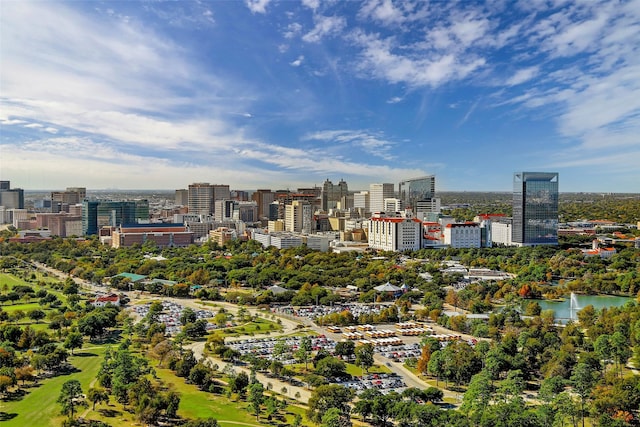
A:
{"x":568,"y":309}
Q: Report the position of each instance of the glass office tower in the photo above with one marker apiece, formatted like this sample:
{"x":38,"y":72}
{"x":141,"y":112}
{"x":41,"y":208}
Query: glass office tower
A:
{"x":419,"y":194}
{"x":535,"y":208}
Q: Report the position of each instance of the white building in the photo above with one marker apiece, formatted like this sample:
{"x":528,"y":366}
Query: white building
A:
{"x":377,"y":194}
{"x":462,"y":235}
{"x":391,"y":233}
{"x":501,"y":233}
{"x":317,"y":243}
{"x":298,"y":217}
{"x":392,"y":205}
{"x":361,"y":201}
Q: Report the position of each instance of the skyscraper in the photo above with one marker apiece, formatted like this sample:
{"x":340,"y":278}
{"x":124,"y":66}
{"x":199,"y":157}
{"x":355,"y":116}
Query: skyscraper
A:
{"x":377,"y":194}
{"x":201,"y":198}
{"x":101,"y":213}
{"x":419,"y":194}
{"x":535,"y":208}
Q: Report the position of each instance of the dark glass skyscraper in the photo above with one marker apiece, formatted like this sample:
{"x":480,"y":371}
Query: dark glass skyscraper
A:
{"x":535,"y":208}
{"x":100,"y":213}
{"x":419,"y":194}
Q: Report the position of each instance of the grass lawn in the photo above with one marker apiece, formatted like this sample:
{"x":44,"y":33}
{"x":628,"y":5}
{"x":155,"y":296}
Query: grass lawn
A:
{"x":375,"y":369}
{"x":26,"y":307}
{"x":198,"y":404}
{"x":38,"y":406}
{"x":258,"y":326}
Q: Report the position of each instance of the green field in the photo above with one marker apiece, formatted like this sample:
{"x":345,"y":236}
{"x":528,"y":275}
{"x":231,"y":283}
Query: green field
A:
{"x":38,"y":406}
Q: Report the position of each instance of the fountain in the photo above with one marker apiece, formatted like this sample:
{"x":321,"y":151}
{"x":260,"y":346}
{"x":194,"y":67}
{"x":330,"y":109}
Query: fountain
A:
{"x":573,"y":307}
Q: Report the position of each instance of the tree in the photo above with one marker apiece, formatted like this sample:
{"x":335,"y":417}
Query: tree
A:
{"x":303,"y":353}
{"x":97,"y":395}
{"x":329,"y":396}
{"x":477,"y":397}
{"x":37,"y":315}
{"x":331,"y":367}
{"x":345,"y":349}
{"x":583,"y":380}
{"x":256,"y":397}
{"x":364,"y":356}
{"x":238,"y":384}
{"x":70,"y":397}
{"x":24,"y":373}
{"x":73,"y":340}
{"x":187,"y":316}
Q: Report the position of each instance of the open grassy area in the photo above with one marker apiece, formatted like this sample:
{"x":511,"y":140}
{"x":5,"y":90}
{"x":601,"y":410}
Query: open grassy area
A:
{"x":38,"y":406}
{"x":198,"y":404}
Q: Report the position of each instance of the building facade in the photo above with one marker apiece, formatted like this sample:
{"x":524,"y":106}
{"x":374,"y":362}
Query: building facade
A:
{"x":535,"y":208}
{"x":462,"y":235}
{"x":377,"y":194}
{"x":419,"y":195}
{"x":102,"y":213}
{"x":392,"y":233}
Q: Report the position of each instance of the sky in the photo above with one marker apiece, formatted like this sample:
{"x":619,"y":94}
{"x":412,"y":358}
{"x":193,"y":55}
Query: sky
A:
{"x":287,"y":94}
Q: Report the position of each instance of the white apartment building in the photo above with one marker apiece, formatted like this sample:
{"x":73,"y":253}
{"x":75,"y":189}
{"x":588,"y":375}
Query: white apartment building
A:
{"x":391,"y":233}
{"x":377,"y":194}
{"x":462,"y":235}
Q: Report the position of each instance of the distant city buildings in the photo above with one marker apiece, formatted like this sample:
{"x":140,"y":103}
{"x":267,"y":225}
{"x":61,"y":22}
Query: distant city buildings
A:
{"x":62,"y":200}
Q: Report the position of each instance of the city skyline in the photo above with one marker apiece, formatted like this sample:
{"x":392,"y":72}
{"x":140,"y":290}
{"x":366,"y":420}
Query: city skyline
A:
{"x":134,"y":95}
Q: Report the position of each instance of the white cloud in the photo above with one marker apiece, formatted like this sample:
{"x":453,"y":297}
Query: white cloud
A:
{"x":523,"y":75}
{"x":374,"y":144}
{"x":311,"y":4}
{"x":297,"y":62}
{"x":293,"y":30}
{"x":382,"y":11}
{"x":325,"y":26}
{"x":379,"y":60}
{"x":394,"y":100}
{"x":258,"y":6}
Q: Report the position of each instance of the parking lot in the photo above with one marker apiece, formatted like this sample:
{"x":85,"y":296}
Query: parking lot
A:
{"x":170,"y":315}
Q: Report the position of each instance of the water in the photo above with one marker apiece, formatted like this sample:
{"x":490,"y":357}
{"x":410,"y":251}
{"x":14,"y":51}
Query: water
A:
{"x":569,"y":308}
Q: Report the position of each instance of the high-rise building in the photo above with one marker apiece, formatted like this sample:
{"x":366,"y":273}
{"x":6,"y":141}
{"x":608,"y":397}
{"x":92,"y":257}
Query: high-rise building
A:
{"x":101,"y":213}
{"x":263,"y":197}
{"x":333,"y":194}
{"x":11,"y":198}
{"x":182,"y":197}
{"x":362,"y":201}
{"x":377,"y":194}
{"x":298,"y":217}
{"x":535,"y":208}
{"x":201,"y":198}
{"x":418,"y":194}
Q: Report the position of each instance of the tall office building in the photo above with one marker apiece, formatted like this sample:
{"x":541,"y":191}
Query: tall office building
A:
{"x":298,"y":217}
{"x":182,"y":197}
{"x":263,"y":197}
{"x":102,"y":213}
{"x":333,"y":194}
{"x":418,"y":194}
{"x":535,"y":208}
{"x":377,"y":194}
{"x":361,"y":201}
{"x":201,"y":198}
{"x":11,"y":198}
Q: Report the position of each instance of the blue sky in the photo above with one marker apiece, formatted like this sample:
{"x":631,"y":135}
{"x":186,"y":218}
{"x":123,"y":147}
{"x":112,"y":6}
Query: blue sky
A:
{"x":284,"y":94}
